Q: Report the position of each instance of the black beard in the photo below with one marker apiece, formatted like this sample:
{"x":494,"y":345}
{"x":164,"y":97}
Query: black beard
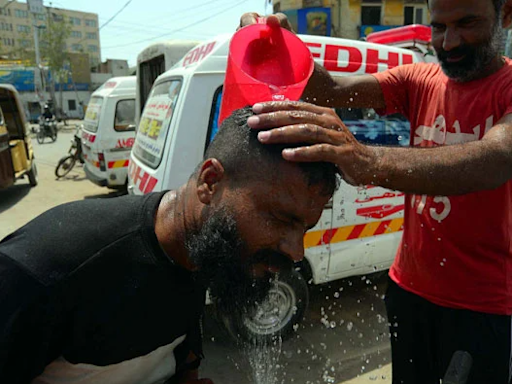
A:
{"x":477,"y":57}
{"x":217,"y":249}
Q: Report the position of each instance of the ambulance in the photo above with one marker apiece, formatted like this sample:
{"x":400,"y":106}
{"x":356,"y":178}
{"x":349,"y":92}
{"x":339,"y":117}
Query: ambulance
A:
{"x":359,"y":230}
{"x":109,"y":131}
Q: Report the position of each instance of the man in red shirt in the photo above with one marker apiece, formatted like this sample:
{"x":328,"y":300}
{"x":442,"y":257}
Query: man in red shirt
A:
{"x":451,"y":282}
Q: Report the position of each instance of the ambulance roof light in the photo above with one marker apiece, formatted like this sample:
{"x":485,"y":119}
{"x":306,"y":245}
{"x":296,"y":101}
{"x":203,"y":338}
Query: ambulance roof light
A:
{"x":417,"y":33}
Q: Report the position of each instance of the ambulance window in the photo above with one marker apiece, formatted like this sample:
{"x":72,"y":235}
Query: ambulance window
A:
{"x":125,"y":116}
{"x":154,"y":123}
{"x":214,"y":116}
{"x":92,"y":116}
{"x":370,"y":128}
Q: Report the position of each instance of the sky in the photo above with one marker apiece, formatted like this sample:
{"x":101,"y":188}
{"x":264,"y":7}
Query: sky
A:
{"x":149,"y":20}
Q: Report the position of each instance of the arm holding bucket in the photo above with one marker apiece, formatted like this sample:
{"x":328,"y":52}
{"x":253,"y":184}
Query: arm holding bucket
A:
{"x":361,"y":91}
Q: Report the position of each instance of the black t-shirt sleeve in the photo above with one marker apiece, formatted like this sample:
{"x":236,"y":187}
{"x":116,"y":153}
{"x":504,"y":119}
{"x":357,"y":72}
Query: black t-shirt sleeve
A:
{"x":25,"y":327}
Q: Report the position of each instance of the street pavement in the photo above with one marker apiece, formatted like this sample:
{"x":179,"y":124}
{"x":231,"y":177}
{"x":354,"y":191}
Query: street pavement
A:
{"x":343,"y":338}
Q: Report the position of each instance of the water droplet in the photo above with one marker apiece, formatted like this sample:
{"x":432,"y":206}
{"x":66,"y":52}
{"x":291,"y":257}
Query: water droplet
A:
{"x":350,"y":325}
{"x":336,"y":295}
{"x":333,"y":324}
{"x":351,"y":99}
{"x":442,"y":264}
{"x":213,"y":338}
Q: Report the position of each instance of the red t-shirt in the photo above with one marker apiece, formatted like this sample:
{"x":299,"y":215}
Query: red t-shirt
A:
{"x":456,"y":251}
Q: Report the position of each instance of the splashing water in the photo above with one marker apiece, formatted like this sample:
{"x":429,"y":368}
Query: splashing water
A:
{"x":264,"y":351}
{"x":263,"y":356}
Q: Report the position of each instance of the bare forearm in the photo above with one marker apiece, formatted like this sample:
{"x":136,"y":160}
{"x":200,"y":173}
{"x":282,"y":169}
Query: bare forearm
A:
{"x":449,"y":170}
{"x":343,"y":92}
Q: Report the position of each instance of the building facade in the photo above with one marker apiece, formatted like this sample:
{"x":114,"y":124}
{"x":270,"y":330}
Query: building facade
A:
{"x":352,"y":19}
{"x":17,"y":23}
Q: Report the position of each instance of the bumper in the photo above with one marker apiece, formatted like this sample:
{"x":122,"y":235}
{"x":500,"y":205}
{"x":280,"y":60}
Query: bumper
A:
{"x":102,"y":182}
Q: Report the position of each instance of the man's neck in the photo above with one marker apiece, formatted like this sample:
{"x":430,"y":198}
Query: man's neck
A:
{"x":172,"y":220}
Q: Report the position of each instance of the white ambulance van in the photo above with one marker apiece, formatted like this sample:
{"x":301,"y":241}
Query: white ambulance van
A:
{"x":359,"y":230}
{"x":154,"y":60}
{"x":109,"y":131}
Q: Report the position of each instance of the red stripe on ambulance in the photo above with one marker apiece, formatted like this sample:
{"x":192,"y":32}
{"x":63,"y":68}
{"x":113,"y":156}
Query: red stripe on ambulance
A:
{"x":143,"y":180}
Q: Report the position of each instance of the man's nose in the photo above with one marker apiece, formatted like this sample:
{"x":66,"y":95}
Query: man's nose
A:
{"x":293,"y":246}
{"x":451,"y":39}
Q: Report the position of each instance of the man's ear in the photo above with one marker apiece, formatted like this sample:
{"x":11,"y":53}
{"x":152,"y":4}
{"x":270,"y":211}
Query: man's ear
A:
{"x":507,"y":14}
{"x":210,"y":175}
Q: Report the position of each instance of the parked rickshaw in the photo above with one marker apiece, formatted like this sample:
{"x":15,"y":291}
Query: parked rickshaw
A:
{"x":16,"y":151}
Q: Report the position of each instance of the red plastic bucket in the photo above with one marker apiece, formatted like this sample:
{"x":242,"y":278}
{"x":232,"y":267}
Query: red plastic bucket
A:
{"x":264,"y":63}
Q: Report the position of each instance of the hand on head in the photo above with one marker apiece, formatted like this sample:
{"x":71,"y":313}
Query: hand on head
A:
{"x":320,"y":132}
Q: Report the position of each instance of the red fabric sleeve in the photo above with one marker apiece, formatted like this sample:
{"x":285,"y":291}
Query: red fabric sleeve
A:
{"x":396,"y":84}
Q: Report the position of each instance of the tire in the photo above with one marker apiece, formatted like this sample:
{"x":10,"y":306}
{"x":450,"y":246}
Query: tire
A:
{"x":65,"y":165}
{"x":289,"y":296}
{"x":40,"y":136}
{"x":32,"y":175}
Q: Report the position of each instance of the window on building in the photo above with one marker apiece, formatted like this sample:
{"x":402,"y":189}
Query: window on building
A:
{"x":90,"y":23}
{"x":71,"y":105}
{"x":8,"y":41}
{"x":415,"y":14}
{"x":92,"y":35}
{"x":371,"y":11}
{"x":21,"y":13}
{"x":75,"y":21}
{"x":77,"y":47}
{"x":24,"y":43}
{"x":92,"y":48}
{"x":5,"y":12}
{"x":41,"y":16}
{"x":23,"y":28}
{"x":57,"y":17}
{"x":76,"y":34}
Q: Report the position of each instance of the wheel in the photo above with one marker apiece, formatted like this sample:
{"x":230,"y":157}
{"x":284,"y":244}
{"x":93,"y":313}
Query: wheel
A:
{"x":32,"y":174}
{"x":284,"y":308}
{"x":65,"y":165}
{"x":40,"y":136}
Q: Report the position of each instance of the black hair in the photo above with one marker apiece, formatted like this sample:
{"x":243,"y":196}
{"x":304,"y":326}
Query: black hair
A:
{"x":243,"y":157}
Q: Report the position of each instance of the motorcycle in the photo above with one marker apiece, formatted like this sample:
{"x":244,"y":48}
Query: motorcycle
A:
{"x":47,"y":128}
{"x":66,"y":164}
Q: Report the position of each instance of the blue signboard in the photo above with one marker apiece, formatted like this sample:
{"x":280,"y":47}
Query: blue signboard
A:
{"x":23,"y":80}
{"x":314,"y":21}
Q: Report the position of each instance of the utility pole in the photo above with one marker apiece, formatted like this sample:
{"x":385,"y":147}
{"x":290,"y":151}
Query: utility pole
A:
{"x":36,"y":8}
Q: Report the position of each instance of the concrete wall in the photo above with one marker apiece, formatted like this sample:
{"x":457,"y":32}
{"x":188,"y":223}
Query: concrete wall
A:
{"x":80,"y":96}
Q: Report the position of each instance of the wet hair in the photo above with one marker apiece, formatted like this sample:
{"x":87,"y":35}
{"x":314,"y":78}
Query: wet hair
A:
{"x":243,"y":157}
